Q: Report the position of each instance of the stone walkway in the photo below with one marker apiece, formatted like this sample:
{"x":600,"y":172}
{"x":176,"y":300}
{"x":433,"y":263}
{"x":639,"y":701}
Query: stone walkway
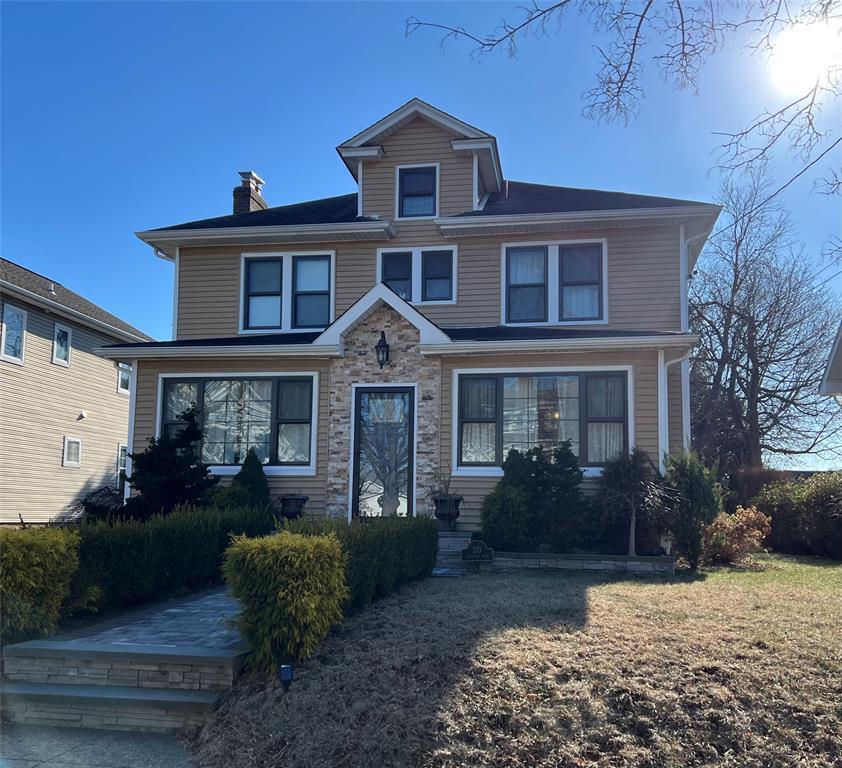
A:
{"x":27,"y":746}
{"x":202,"y":620}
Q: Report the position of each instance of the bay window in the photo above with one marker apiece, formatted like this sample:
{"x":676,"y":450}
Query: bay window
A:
{"x":555,"y":283}
{"x":501,"y":412}
{"x":271,"y":415}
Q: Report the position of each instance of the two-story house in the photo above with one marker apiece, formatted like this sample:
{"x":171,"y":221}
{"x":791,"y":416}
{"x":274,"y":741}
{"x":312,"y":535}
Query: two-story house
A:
{"x":431,"y":321}
{"x":64,"y":411}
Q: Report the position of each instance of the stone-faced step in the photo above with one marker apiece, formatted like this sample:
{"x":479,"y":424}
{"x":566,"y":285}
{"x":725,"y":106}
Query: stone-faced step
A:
{"x":94,"y":664}
{"x":85,"y":706}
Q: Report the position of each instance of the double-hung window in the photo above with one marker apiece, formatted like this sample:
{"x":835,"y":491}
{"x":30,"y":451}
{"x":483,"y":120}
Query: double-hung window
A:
{"x":122,"y":455}
{"x":498,"y":413}
{"x":13,"y":334}
{"x":274,"y":416}
{"x":424,"y":275}
{"x":124,"y":378}
{"x":286,"y":291}
{"x":61,"y":344}
{"x":555,"y":283}
{"x":417,"y":189}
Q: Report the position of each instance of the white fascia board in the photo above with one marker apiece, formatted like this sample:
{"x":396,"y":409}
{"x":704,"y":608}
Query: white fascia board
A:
{"x":429,"y":332}
{"x":222,"y":351}
{"x":56,"y":308}
{"x":607,"y":343}
{"x":375,"y":152}
{"x":414,"y":106}
{"x":476,"y":145}
{"x":455,"y":223}
{"x":831,"y":386}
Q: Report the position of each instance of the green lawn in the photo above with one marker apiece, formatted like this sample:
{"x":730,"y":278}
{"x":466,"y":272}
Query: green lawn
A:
{"x":732,"y":667}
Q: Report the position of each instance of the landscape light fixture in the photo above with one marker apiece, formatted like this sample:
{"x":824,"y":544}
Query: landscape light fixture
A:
{"x":382,"y":350}
{"x":285,"y":675}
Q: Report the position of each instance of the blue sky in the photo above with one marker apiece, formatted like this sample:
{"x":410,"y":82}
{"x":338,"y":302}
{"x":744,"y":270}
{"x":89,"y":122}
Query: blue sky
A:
{"x":118,"y":117}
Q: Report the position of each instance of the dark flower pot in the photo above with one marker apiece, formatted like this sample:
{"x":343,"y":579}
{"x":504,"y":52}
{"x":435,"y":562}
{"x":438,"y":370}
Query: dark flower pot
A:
{"x":447,"y":509}
{"x":292,"y":506}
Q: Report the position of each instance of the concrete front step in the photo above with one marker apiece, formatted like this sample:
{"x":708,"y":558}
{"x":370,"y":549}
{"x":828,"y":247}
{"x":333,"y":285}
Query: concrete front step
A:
{"x":191,"y":668}
{"x":112,"y":708}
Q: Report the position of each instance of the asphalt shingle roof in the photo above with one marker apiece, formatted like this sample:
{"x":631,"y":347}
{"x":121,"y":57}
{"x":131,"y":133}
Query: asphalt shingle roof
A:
{"x":39,"y":285}
{"x":516,"y":197}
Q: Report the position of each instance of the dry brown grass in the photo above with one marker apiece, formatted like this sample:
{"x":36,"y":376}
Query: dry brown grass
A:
{"x":740,"y":668}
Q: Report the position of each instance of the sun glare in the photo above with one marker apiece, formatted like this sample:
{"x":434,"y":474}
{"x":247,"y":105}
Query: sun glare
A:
{"x":803,"y":55}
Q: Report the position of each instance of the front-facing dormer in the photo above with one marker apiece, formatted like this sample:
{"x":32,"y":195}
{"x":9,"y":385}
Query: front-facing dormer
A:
{"x":419,"y":164}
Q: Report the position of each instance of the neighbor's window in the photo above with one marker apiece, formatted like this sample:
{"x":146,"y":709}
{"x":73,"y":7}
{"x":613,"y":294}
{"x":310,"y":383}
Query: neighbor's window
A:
{"x":397,"y":273}
{"x":122,"y":453}
{"x":263,"y":293}
{"x":124,"y":378}
{"x":523,"y":411}
{"x":61,"y":345}
{"x":72,"y":455}
{"x":423,"y":275}
{"x":13,"y":334}
{"x":526,"y":285}
{"x":581,"y":281}
{"x":555,"y":283}
{"x":417,"y":192}
{"x":271,"y":415}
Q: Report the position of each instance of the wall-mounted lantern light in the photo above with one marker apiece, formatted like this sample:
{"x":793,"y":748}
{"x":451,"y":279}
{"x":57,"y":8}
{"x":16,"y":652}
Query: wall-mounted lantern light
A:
{"x":382,"y":350}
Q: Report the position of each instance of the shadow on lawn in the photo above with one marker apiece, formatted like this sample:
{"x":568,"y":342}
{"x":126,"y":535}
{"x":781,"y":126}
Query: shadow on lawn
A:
{"x":376,"y":691}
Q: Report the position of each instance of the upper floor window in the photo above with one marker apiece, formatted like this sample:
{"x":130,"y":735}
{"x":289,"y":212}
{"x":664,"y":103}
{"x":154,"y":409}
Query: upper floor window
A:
{"x":286,"y":291}
{"x":124,"y":378}
{"x":417,"y":191}
{"x":61,"y":345}
{"x":555,"y":283}
{"x":424,"y":275}
{"x":13,"y":334}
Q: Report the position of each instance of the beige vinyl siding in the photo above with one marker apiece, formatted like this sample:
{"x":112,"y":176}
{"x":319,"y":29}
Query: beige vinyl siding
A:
{"x":643,"y":278}
{"x":676,"y":434}
{"x":417,"y":143}
{"x":40,"y":403}
{"x":147,"y":403}
{"x":645,"y":384}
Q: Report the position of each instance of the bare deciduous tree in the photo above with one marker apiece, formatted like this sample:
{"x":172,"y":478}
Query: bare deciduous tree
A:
{"x":678,"y":37}
{"x":766,"y":321}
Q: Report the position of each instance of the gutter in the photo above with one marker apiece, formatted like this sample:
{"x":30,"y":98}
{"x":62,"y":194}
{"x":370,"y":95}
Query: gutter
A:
{"x":141,"y":352}
{"x":71,"y":314}
{"x":560,"y":345}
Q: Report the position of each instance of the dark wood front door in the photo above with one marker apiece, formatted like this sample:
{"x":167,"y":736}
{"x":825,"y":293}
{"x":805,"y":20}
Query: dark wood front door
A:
{"x":384,"y":441}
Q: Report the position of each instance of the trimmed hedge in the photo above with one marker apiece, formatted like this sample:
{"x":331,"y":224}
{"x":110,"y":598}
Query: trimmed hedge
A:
{"x":291,"y":590}
{"x":36,"y":568}
{"x":382,"y":553}
{"x":130,"y":561}
{"x":806,"y":515}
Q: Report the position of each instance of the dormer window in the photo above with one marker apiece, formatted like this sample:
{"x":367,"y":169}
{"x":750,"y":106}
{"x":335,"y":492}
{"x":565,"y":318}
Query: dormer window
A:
{"x":417,"y":188}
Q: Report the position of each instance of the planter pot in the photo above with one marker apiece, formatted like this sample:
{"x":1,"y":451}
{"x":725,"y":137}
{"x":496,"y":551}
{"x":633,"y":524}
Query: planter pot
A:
{"x":292,"y":506}
{"x":447,"y":510}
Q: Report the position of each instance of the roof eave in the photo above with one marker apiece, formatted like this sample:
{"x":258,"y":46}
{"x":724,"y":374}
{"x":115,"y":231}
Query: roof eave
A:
{"x":57,"y":308}
{"x":166,"y":241}
{"x":683,"y":340}
{"x":142,"y":352}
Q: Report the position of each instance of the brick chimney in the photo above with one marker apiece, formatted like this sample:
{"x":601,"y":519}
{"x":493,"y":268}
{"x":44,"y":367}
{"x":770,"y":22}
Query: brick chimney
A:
{"x":247,"y":195}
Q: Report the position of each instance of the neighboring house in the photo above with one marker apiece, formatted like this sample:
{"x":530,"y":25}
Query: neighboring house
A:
{"x":832,"y":380}
{"x":515,"y":315}
{"x":63,"y":410}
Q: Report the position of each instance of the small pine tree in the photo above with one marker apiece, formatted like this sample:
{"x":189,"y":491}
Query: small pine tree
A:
{"x":252,"y":478}
{"x":625,"y":487}
{"x":169,"y":472}
{"x":694,"y":499}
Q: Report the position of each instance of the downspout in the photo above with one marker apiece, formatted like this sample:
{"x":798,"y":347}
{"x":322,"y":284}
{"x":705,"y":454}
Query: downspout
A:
{"x":130,"y":438}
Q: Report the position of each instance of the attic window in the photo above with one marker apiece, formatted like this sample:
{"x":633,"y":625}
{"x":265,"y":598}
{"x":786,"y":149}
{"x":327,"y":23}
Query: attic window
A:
{"x":417,"y":191}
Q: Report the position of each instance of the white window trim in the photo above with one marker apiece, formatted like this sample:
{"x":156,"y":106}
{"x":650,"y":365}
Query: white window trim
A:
{"x":553,"y":291}
{"x":61,"y":327}
{"x":386,"y":386}
{"x":3,"y":355}
{"x":417,"y":271}
{"x":65,"y":462}
{"x":398,"y":169}
{"x":286,"y":258}
{"x":469,"y":471}
{"x":122,"y":367}
{"x":308,"y":470}
{"x":120,"y":447}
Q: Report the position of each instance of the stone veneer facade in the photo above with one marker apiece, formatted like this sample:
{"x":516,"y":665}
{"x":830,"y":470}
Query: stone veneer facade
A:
{"x":359,"y":366}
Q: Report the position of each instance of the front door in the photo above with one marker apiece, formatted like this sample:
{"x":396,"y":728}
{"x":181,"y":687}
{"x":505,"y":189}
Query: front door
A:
{"x":382,"y":484}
